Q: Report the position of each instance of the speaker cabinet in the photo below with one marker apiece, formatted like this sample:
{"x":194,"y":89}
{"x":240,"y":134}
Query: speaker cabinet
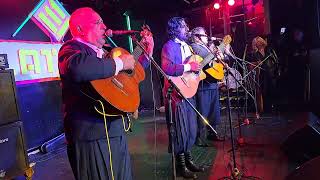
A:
{"x":9,"y":111}
{"x":13,"y":157}
{"x":308,"y":170}
{"x":13,"y":153}
{"x":303,"y":144}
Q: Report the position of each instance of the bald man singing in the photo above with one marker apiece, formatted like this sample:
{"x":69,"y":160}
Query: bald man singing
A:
{"x":81,"y":60}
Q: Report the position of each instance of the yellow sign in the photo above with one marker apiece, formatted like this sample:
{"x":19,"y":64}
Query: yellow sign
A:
{"x":32,"y":60}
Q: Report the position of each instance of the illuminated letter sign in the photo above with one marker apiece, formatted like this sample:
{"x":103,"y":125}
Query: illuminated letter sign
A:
{"x":32,"y":60}
{"x":52,"y":18}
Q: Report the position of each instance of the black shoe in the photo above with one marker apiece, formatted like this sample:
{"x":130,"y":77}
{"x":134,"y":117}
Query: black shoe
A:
{"x":201,"y":143}
{"x":182,"y":169}
{"x":214,"y":137}
{"x":191,"y":165}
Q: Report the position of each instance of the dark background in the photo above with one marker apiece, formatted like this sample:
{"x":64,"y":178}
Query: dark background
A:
{"x":40,"y":103}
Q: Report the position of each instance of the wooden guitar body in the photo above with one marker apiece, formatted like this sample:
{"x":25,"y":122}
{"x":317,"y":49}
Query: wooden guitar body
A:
{"x":122,"y":90}
{"x":188,"y":82}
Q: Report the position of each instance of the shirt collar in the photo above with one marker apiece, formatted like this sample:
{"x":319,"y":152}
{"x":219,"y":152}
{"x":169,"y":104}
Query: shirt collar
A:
{"x":95,"y":48}
{"x":98,"y":50}
{"x":180,"y":42}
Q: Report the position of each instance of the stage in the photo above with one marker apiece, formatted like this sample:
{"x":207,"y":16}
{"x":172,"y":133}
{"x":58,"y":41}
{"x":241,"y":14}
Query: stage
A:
{"x":262,"y":157}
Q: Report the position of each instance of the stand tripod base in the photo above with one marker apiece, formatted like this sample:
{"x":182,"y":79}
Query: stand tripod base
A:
{"x":237,"y":175}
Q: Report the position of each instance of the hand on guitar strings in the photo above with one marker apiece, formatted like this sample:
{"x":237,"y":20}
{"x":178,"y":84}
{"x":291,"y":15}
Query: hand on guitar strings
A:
{"x":195,"y":66}
{"x":147,"y":39}
{"x":128,"y":61}
{"x":148,"y":44}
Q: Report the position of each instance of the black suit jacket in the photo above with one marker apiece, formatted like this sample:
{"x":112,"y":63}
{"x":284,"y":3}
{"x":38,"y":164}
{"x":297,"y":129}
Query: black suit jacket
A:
{"x":78,"y":65}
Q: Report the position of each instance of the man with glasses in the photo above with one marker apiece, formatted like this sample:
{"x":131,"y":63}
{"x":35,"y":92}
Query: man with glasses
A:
{"x":92,"y":154}
{"x":207,"y":97}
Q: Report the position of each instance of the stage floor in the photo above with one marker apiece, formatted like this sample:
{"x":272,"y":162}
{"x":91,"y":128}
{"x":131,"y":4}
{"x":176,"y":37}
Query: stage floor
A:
{"x":261,"y":157}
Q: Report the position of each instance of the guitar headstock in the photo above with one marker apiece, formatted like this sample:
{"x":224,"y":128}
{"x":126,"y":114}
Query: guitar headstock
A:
{"x":227,"y":39}
{"x":146,"y":32}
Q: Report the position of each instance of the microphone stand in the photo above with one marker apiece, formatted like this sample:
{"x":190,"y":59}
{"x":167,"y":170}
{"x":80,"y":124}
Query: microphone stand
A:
{"x":257,"y":66}
{"x":169,"y":92}
{"x":243,"y":66}
{"x":235,"y":173}
{"x":238,"y":82}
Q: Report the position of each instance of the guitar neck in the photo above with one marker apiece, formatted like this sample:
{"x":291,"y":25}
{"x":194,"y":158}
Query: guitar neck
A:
{"x":137,"y":52}
{"x":206,"y":60}
{"x":210,"y":56}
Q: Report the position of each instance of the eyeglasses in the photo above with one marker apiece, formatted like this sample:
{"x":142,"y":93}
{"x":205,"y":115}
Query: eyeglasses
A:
{"x":201,"y":35}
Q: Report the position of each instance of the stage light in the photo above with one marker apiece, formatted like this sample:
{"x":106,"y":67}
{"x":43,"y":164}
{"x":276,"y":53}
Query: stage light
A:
{"x":231,"y":2}
{"x":216,"y":6}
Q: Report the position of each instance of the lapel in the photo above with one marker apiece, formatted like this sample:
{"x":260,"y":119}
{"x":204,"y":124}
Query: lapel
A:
{"x":88,"y":50}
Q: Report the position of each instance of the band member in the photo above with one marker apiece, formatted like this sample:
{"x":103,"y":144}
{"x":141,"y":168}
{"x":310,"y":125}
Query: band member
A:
{"x":266,"y":77}
{"x":80,"y":61}
{"x":173,"y":57}
{"x":207,"y":97}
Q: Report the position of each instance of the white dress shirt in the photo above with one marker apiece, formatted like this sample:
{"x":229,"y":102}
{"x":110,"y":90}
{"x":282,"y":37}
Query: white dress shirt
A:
{"x":185,"y":53}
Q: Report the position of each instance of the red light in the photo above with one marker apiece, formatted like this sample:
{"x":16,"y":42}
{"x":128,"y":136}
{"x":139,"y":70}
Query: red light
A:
{"x":231,"y":2}
{"x":216,"y":5}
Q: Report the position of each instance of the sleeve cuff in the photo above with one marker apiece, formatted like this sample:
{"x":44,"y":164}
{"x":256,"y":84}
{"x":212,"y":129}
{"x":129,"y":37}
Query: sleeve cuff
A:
{"x":186,"y":67}
{"x":119,"y":65}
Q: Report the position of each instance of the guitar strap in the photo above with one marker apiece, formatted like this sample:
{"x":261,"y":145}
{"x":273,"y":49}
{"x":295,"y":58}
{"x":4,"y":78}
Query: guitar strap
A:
{"x":192,"y":52}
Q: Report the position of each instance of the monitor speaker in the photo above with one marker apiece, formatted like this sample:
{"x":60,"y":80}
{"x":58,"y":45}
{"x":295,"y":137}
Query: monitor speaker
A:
{"x":13,"y":156}
{"x":308,"y":170}
{"x":303,"y":144}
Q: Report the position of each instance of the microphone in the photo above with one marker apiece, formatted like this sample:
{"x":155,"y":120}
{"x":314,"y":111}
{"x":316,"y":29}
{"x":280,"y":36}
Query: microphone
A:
{"x":215,"y":38}
{"x":210,"y":38}
{"x":110,"y":32}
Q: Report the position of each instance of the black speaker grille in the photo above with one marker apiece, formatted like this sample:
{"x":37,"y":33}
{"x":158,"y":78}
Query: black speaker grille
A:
{"x":8,"y":102}
{"x":13,"y":158}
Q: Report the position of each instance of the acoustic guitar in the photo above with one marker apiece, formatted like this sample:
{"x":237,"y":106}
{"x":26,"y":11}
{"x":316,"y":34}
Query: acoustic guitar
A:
{"x":122,"y":90}
{"x":217,"y":68}
{"x":189,"y":81}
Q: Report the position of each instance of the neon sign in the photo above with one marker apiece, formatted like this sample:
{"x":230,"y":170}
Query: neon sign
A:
{"x":51,"y":17}
{"x":32,"y":60}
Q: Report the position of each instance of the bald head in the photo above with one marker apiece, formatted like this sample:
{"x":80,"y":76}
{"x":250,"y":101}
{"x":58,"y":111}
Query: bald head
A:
{"x":77,"y":19}
{"x":86,"y":24}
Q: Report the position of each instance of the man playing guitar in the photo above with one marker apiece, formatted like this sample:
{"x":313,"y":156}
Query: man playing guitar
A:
{"x":207,"y":97}
{"x":174,"y":53}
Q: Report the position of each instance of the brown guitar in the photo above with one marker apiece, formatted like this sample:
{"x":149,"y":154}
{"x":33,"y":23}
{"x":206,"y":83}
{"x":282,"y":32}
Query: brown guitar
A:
{"x":217,"y":69}
{"x":188,"y":82}
{"x":122,"y":90}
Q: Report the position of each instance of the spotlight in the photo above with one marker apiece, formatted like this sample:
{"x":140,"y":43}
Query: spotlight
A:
{"x":216,"y":6}
{"x":231,"y":2}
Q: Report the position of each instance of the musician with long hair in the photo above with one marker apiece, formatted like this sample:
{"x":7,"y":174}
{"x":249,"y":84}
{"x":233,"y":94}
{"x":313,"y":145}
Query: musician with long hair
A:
{"x":96,"y":149}
{"x":174,"y":56}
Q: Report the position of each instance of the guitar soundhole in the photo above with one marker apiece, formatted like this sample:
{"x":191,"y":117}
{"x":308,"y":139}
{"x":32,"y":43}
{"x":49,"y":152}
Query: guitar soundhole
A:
{"x":129,"y":72}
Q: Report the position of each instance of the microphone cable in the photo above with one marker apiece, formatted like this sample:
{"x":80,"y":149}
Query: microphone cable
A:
{"x":155,"y":123}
